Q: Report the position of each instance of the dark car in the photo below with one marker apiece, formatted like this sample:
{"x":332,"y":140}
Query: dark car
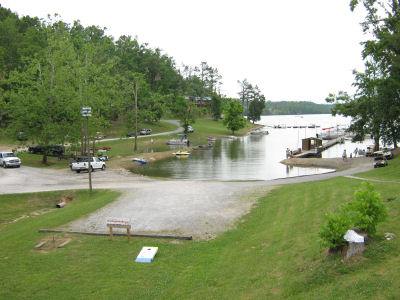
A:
{"x":145,"y":131}
{"x":22,"y":136}
{"x":56,"y":150}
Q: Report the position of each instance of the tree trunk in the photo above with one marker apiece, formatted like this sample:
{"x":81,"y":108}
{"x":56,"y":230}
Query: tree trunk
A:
{"x":44,"y":159}
{"x":376,"y":144}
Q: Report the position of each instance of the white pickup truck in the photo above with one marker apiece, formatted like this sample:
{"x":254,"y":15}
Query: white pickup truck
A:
{"x":8,"y":159}
{"x":81,"y":164}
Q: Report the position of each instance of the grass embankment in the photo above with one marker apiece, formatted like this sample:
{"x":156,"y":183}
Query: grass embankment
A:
{"x":392,"y":172}
{"x":274,"y":253}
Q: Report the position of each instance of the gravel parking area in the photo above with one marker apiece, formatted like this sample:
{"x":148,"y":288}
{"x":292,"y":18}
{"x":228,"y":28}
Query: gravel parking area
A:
{"x":198,"y":209}
{"x":202,"y":209}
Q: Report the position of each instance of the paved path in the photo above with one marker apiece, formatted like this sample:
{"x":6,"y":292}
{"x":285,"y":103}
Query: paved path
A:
{"x":372,"y":179}
{"x":175,"y":122}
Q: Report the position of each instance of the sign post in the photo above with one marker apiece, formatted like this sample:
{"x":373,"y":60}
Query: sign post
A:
{"x":119,"y":223}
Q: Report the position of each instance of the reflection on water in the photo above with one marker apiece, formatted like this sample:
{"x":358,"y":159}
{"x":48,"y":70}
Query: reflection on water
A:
{"x":254,"y":157}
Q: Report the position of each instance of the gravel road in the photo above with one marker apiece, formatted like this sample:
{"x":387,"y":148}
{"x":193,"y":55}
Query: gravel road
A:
{"x":202,"y":209}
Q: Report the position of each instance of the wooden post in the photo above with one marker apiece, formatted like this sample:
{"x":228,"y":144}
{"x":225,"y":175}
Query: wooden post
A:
{"x":111,"y":233}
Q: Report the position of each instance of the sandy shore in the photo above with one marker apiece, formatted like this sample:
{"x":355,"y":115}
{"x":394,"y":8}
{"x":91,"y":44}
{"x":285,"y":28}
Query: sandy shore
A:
{"x":329,"y":163}
{"x":126,"y":162}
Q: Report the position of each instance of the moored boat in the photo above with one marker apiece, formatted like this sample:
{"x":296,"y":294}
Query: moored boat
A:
{"x":181,"y":153}
{"x":140,"y":160}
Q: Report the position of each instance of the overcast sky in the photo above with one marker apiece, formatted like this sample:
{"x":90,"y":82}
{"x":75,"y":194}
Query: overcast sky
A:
{"x":293,"y":50}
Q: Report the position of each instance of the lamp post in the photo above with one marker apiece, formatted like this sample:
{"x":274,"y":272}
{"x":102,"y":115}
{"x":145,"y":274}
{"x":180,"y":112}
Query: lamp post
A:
{"x":86,"y":111}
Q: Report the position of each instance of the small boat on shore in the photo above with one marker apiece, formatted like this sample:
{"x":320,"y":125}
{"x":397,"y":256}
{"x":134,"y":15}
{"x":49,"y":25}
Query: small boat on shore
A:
{"x":203,"y":147}
{"x":177,"y":142}
{"x":212,"y":139}
{"x":140,"y":160}
{"x":181,"y":153}
{"x":259,"y":132}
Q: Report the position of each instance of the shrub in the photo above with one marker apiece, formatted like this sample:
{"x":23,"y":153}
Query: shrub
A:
{"x":368,"y":209}
{"x":332,"y":233}
{"x":365,"y":212}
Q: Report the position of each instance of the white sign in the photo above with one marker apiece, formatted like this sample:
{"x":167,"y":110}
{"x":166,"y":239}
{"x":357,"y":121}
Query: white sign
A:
{"x":122,"y":222}
{"x":86,"y":111}
{"x":147,"y":254}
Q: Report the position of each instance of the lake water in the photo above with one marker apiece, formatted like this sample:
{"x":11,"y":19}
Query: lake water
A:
{"x":254,"y":157}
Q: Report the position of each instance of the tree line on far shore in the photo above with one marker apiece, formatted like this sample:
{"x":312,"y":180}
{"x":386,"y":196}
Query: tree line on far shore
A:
{"x":295,"y":108}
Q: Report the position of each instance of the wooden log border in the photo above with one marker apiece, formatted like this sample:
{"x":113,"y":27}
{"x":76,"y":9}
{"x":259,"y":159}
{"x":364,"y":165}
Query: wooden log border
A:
{"x":179,"y":237}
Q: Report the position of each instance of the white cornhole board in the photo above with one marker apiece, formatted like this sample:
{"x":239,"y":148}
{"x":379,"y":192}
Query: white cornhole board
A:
{"x":147,"y":254}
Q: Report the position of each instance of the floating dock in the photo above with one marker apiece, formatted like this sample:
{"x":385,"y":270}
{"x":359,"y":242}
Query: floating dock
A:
{"x":316,"y":152}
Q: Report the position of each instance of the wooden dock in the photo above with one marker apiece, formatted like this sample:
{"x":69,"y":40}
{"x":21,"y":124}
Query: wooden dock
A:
{"x":317,"y":151}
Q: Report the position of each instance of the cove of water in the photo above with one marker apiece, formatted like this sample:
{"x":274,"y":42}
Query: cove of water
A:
{"x":253,"y":157}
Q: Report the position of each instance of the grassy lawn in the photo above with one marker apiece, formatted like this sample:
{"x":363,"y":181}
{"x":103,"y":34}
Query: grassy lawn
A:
{"x":204,"y":128}
{"x":118,"y":129}
{"x":121,"y":147}
{"x":273,"y":253}
{"x":391,"y":172}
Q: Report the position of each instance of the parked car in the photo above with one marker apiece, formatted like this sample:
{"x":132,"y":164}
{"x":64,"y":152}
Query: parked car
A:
{"x":385,"y":153}
{"x":100,"y":135}
{"x":190,"y":129}
{"x":56,"y":150}
{"x":81,"y":164}
{"x":103,"y":157}
{"x":380,"y":161}
{"x":370,"y":151}
{"x":22,"y":136}
{"x":9,"y":159}
{"x":145,"y":131}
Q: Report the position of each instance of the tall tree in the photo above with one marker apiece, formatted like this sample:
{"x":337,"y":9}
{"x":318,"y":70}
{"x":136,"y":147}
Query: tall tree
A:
{"x":43,"y":101}
{"x":256,"y":107}
{"x":185,"y":111}
{"x":244,"y":93}
{"x":233,"y":116}
{"x":375,"y":106}
{"x":216,"y":106}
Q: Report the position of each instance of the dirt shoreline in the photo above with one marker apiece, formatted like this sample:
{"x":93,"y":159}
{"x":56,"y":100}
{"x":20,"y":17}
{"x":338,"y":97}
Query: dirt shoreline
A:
{"x":127,"y":163}
{"x":329,"y":163}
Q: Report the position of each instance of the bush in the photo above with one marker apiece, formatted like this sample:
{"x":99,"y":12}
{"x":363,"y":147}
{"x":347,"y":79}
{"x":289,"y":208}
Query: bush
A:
{"x":368,"y":209}
{"x":364,"y":213}
{"x":333,"y":232}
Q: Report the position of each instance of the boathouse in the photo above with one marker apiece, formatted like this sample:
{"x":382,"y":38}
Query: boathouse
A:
{"x":311,"y":143}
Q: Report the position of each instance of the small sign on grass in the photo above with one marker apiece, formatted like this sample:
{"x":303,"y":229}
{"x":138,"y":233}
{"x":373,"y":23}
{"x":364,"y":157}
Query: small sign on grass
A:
{"x":119,"y":223}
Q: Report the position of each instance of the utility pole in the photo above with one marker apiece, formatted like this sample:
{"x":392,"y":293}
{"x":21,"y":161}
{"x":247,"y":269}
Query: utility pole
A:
{"x":87,"y":112}
{"x":136,"y":111}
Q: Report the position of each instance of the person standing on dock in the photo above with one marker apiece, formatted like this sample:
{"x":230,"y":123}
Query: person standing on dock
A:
{"x":287,"y":153}
{"x":344,"y":155}
{"x":355,"y":152}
